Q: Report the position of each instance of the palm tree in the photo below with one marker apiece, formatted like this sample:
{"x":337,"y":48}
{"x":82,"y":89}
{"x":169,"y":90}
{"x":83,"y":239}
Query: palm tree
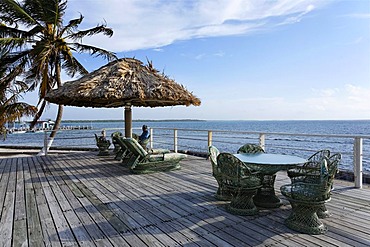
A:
{"x":10,"y":92}
{"x":41,"y":45}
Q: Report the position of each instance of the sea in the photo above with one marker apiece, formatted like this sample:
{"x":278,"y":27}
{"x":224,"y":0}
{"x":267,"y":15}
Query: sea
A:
{"x":296,"y":145}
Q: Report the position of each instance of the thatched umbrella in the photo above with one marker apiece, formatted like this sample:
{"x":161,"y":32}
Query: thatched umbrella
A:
{"x":124,"y":82}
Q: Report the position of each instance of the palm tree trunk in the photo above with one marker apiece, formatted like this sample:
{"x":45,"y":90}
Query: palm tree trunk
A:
{"x":58,"y":119}
{"x":53,"y":133}
{"x":38,"y":115}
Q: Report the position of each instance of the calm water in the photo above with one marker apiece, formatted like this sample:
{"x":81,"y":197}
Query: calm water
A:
{"x":84,"y":138}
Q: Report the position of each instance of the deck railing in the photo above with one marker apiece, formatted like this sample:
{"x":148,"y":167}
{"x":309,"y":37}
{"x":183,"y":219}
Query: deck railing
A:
{"x":355,"y":149}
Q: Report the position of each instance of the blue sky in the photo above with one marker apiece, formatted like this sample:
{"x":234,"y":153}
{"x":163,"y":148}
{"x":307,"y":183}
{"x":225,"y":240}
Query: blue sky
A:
{"x":246,"y":60}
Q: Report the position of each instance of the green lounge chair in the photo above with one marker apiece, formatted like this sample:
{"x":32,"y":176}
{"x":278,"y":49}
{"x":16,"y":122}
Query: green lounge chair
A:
{"x":117,"y":147}
{"x":238,"y":178}
{"x":143,"y":162}
{"x":122,"y":150}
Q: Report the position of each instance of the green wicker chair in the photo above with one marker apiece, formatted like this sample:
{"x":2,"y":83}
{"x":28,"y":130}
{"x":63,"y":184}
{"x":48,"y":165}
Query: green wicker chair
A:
{"x":241,"y":182}
{"x":250,"y":148}
{"x":307,"y":197}
{"x":141,"y":161}
{"x":311,"y":172}
{"x":312,"y":167}
{"x":333,"y":163}
{"x":222,"y":193}
{"x":103,"y":145}
{"x":266,"y":194}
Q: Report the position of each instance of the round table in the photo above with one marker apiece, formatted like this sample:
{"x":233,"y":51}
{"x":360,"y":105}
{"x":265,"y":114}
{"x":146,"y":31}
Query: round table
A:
{"x":268,"y":165}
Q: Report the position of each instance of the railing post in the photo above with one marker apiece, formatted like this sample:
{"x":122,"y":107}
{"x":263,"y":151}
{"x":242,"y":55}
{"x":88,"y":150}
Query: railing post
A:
{"x":262,"y":141}
{"x":151,"y":138}
{"x":209,"y":138}
{"x":175,"y":140}
{"x":45,"y":143}
{"x":357,"y":160}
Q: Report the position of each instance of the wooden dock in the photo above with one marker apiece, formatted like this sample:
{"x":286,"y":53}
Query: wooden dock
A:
{"x":80,"y":199}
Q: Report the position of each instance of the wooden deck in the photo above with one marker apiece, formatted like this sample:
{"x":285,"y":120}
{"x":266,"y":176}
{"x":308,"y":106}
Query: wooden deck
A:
{"x":80,"y":199}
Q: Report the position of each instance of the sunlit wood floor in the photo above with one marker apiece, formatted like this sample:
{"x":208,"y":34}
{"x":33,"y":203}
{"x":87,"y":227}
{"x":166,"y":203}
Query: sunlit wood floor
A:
{"x":81,"y":199}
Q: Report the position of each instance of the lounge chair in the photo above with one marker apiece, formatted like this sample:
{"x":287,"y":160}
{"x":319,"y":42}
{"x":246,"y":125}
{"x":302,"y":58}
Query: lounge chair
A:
{"x":222,"y":193}
{"x":238,"y":178}
{"x":114,"y":142}
{"x":143,"y":162}
{"x":122,"y":150}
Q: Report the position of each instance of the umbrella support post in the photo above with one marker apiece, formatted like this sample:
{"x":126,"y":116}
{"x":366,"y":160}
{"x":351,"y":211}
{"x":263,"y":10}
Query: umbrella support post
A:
{"x":128,"y":121}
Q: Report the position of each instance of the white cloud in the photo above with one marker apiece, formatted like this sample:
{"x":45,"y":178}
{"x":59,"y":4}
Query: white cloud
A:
{"x":141,"y":24}
{"x":343,"y":102}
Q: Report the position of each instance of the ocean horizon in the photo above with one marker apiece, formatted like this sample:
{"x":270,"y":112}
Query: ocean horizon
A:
{"x":85,"y":138}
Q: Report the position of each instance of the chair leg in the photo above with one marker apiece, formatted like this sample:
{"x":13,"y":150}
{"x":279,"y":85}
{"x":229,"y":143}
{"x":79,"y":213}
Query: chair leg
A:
{"x":304,"y":218}
{"x":242,"y":202}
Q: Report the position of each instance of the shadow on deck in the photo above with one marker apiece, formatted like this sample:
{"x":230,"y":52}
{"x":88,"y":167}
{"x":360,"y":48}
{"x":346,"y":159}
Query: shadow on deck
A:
{"x":81,"y":199}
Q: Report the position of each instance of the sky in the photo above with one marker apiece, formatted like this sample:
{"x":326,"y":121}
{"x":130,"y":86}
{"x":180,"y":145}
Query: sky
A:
{"x":245,"y":59}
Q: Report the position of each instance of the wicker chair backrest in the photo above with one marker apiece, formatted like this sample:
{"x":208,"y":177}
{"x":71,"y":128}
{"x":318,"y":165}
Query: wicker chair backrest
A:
{"x":236,"y":173}
{"x":232,"y":169}
{"x":333,"y":163}
{"x":250,"y":148}
{"x":315,"y":161}
{"x":319,"y":155}
{"x":213,"y":153}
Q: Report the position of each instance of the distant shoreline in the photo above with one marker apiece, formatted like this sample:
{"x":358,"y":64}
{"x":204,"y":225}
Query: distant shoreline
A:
{"x":138,"y":120}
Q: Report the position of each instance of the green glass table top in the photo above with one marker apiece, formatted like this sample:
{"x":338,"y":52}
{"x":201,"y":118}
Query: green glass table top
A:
{"x":270,"y":159}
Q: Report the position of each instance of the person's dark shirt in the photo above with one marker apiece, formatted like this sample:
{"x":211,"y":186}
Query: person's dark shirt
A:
{"x":144,"y":135}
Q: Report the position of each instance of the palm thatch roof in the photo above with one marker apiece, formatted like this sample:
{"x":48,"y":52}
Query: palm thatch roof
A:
{"x":120,"y":83}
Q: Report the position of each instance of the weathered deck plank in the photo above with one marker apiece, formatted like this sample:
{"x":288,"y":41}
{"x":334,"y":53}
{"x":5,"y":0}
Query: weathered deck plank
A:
{"x":80,"y":199}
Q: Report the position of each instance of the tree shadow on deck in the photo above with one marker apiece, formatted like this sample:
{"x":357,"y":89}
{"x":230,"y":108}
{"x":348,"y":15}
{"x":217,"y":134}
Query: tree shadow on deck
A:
{"x":173,"y":218}
{"x":174,"y":208}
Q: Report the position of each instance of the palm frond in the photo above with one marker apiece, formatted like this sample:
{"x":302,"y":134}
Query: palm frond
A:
{"x":92,"y":31}
{"x":12,"y":10}
{"x":72,"y":25}
{"x":73,"y":66}
{"x":15,"y":111}
{"x":94,"y":51}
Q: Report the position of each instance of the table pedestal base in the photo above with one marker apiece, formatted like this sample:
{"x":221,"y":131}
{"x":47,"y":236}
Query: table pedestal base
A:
{"x":304,"y":218}
{"x":266,"y":197}
{"x":242,"y":202}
